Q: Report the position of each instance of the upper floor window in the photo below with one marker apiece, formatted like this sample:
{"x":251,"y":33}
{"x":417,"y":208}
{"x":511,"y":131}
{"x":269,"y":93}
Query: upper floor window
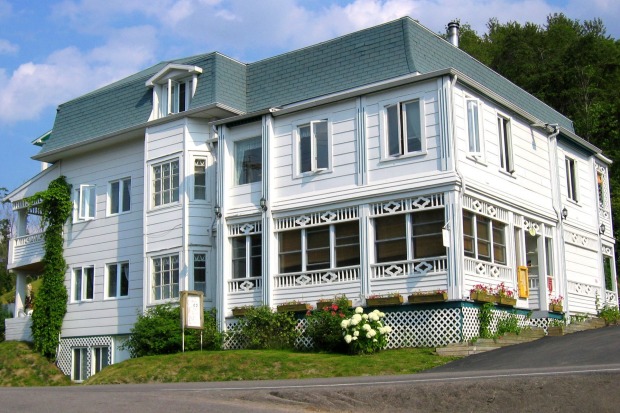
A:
{"x":173,"y":87}
{"x":166,"y":277}
{"x":321,"y":247}
{"x":506,"y":160}
{"x":248,"y":161}
{"x":117,"y":284}
{"x":404,"y":128}
{"x":200,"y":272}
{"x":571,"y":179}
{"x":484,"y":238}
{"x":166,"y":183}
{"x":409,"y":236}
{"x":83,"y":283}
{"x":120,"y":196}
{"x":175,"y":96}
{"x":247,"y":256}
{"x":87,"y":202}
{"x":200,"y":179}
{"x":473,"y":125}
{"x":600,"y":189}
{"x":313,"y":147}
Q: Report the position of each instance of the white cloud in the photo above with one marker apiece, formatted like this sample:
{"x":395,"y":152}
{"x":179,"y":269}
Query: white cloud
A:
{"x":7,"y":47}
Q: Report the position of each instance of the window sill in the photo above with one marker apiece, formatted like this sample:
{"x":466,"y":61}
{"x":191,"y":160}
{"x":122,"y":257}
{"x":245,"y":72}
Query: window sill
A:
{"x":162,"y":208}
{"x":512,"y":175}
{"x":478,"y":159}
{"x":312,"y":174}
{"x":115,"y":214}
{"x":124,"y":297}
{"x":395,"y":158}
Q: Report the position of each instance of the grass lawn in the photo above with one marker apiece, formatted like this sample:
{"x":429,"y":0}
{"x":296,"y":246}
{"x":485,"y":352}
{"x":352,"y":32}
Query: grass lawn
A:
{"x":21,"y":366}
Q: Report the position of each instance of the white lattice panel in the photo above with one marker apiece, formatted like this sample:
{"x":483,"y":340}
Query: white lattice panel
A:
{"x":317,"y":218}
{"x":406,"y":205}
{"x":246,"y":228}
{"x":484,"y":208}
{"x":471,"y":325}
{"x":64,"y":356}
{"x":424,"y":328}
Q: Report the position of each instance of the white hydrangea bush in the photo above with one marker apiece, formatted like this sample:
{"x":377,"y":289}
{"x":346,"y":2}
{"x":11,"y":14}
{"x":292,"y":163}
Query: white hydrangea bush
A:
{"x":365,"y":333}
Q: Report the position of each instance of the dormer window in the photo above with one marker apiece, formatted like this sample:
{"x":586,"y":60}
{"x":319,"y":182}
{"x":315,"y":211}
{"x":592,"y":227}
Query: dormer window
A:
{"x":173,"y":88}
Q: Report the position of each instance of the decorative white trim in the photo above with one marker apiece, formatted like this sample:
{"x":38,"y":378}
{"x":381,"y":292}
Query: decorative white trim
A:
{"x":581,"y":241}
{"x":311,"y":278}
{"x":65,"y":353}
{"x":397,"y":206}
{"x":317,"y":218}
{"x":485,"y":208}
{"x":246,"y":228}
{"x":583,"y":289}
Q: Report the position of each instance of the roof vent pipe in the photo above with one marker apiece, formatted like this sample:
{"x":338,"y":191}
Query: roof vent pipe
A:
{"x":453,"y":33}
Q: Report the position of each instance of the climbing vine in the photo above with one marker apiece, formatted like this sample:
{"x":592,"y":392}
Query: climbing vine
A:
{"x":51,"y":304}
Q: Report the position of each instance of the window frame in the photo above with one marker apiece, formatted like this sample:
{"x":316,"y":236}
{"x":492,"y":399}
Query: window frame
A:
{"x":316,"y":165}
{"x":306,"y":248}
{"x":118,"y":294}
{"x":97,"y":360}
{"x":196,"y":186}
{"x":402,"y":138}
{"x":409,"y":236}
{"x":172,"y":190}
{"x":478,"y":142}
{"x":123,"y":184}
{"x":250,"y":177}
{"x":84,"y":368}
{"x":161,"y":285}
{"x":195,"y":267}
{"x":249,"y":257}
{"x":488,"y":224}
{"x":505,"y":144}
{"x":79,"y":287}
{"x":84,"y":210}
{"x":572,"y":178}
{"x":172,"y":91}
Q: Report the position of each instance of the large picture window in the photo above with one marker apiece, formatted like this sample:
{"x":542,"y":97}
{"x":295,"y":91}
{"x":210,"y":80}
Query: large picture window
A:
{"x":166,"y":277}
{"x":166,"y":183}
{"x":404,"y":128}
{"x":248,"y":161}
{"x":484,"y":239}
{"x":321,"y":247}
{"x":411,"y":236}
{"x":83,"y":283}
{"x":313,"y":147}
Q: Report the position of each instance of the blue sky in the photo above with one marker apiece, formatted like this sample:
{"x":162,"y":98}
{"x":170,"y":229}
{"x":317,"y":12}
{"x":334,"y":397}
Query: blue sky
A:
{"x":55,"y":50}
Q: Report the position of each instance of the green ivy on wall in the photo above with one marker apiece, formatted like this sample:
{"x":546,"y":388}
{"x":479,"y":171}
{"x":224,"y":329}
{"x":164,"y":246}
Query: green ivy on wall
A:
{"x":51,"y":303}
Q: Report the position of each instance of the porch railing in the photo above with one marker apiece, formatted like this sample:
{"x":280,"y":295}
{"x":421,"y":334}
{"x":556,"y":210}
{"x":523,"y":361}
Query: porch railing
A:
{"x":421,"y":266}
{"x":26,"y":249}
{"x":488,"y":269}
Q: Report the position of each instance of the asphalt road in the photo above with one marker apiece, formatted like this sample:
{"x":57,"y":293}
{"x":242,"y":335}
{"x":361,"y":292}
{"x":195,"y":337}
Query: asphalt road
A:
{"x":575,"y":373}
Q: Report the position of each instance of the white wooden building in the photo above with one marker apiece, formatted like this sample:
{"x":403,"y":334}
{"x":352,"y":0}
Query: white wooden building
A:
{"x":387,"y":160}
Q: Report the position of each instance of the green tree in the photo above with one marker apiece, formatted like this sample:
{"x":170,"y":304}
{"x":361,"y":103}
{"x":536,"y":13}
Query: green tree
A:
{"x":7,"y":281}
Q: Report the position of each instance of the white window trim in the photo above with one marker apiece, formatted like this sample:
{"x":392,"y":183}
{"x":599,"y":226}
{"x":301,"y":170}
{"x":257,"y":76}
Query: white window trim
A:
{"x":81,"y":215}
{"x":121,"y":183}
{"x":506,"y":154}
{"x":73,"y":372}
{"x":118,"y":283}
{"x":248,"y":255}
{"x":83,"y":291}
{"x":383,"y":127}
{"x":478,"y":155}
{"x":192,"y":254}
{"x":474,"y":217}
{"x":151,"y":183}
{"x":193,"y":174}
{"x":234,"y":159}
{"x":297,"y":148}
{"x":151,"y":276}
{"x":570,"y":196}
{"x":160,"y":83}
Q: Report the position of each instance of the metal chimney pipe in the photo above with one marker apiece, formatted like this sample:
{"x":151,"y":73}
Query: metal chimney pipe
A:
{"x":453,"y":33}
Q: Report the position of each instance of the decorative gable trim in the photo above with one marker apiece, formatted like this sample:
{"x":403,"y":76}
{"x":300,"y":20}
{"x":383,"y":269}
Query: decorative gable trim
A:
{"x":172,"y":71}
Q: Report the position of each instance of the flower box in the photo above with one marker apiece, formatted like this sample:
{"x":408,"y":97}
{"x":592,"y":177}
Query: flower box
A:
{"x":239,"y":311}
{"x":427,"y":298}
{"x":556,"y":308}
{"x":509,"y":301}
{"x":297,"y":307}
{"x":483,"y":297}
{"x":383,"y":301}
{"x":326,"y":303}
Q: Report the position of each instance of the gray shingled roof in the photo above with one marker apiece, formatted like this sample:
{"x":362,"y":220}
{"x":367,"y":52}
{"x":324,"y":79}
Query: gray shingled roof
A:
{"x":372,"y":55}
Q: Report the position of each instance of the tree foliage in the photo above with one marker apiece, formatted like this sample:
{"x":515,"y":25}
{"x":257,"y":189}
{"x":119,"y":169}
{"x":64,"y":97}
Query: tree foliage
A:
{"x":7,"y":281}
{"x":51,"y":304}
{"x":572,"y":66}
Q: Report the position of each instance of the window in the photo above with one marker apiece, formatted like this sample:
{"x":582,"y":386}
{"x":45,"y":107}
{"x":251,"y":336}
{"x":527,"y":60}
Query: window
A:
{"x":404,"y":128}
{"x":505,"y":144}
{"x":571,"y":179}
{"x":166,"y":277}
{"x":200,"y":179}
{"x":313,"y":147}
{"x":100,"y":358}
{"x":473,"y":125}
{"x":484,"y":239}
{"x":87,"y":202}
{"x":247,"y":256}
{"x":248,"y":161}
{"x":600,"y":186}
{"x":410,"y":236}
{"x":118,"y":280}
{"x":608,"y":269}
{"x":83,"y":283}
{"x":549,"y":263}
{"x":175,"y":96}
{"x":166,"y":183}
{"x":120,"y":196}
{"x":321,"y":247}
{"x":200,"y":272}
{"x":80,"y":364}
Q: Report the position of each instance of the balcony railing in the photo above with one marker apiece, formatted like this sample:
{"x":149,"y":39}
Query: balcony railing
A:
{"x":26,"y":249}
{"x":313,"y":278}
{"x":421,"y":266}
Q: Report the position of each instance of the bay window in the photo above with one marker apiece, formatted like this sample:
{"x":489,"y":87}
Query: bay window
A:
{"x":483,"y":238}
{"x":166,"y":183}
{"x":165,"y":277}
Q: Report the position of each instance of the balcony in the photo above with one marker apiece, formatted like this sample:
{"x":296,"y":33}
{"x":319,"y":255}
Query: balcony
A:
{"x":26,"y":250}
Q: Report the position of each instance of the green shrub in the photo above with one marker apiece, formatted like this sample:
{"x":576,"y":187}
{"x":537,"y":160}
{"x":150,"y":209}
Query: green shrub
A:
{"x":159,"y":331}
{"x":365,"y":333}
{"x":485,"y":315}
{"x":610,"y":314}
{"x":509,"y":324}
{"x":263,"y":328}
{"x":324,"y":326}
{"x":4,"y":314}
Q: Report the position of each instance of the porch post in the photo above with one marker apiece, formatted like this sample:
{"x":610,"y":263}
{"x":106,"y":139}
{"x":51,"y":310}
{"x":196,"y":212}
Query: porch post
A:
{"x":20,"y":293}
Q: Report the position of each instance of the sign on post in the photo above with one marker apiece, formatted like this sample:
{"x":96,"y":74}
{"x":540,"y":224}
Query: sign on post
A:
{"x":192,"y":314}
